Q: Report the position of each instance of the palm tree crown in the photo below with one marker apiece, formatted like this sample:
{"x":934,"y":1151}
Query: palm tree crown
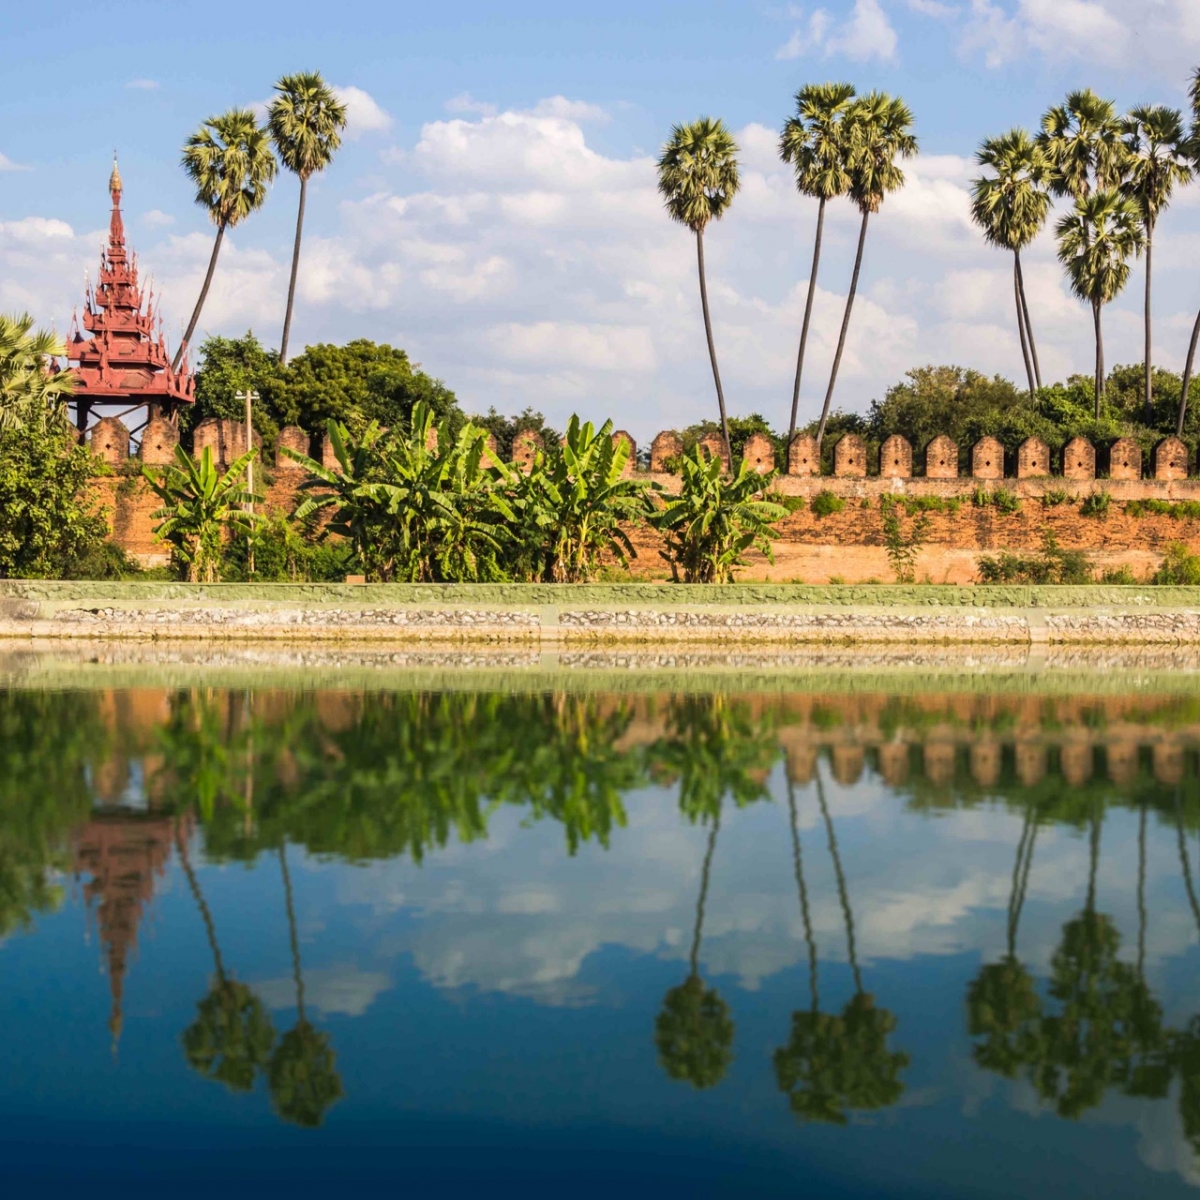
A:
{"x":1156,"y":146}
{"x":1082,"y":138}
{"x":1095,"y":242}
{"x":229,"y":160}
{"x":1011,"y":205}
{"x":31,"y":393}
{"x":306,"y":121}
{"x":698,"y":172}
{"x":814,"y":142}
{"x":880,"y":131}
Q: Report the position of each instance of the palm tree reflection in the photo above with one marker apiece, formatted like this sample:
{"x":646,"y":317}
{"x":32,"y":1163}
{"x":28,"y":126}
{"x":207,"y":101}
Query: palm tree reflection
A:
{"x":835,"y":1064}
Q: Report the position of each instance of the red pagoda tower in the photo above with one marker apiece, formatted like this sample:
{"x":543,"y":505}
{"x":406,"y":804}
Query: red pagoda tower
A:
{"x":125,"y":361}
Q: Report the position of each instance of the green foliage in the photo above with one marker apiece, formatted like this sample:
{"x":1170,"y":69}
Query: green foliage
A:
{"x":1179,"y":567}
{"x":30,"y":396}
{"x":200,"y":506}
{"x":229,"y":161}
{"x":698,"y":173}
{"x":101,"y":560}
{"x":1002,"y":499}
{"x":713,"y":521}
{"x":694,"y":1034}
{"x":740,"y":431}
{"x":305,"y":121}
{"x":790,"y":504}
{"x":353,"y":384}
{"x":231,"y":1038}
{"x":47,"y":527}
{"x":505,"y":429}
{"x":1179,"y":510}
{"x":1052,"y":564}
{"x":302,"y":1076}
{"x":1096,"y":505}
{"x":411,"y":511}
{"x":825,"y":503}
{"x":902,"y":547}
{"x":570,"y":508}
{"x":286,"y":552}
{"x":1053,"y":497}
{"x":1121,"y":576}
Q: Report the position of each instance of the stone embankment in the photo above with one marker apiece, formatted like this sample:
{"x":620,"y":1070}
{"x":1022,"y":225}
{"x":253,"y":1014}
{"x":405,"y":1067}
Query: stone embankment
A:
{"x":556,"y":616}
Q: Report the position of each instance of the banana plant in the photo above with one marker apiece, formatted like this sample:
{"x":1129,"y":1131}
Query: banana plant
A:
{"x":713,"y":521}
{"x":200,"y":505}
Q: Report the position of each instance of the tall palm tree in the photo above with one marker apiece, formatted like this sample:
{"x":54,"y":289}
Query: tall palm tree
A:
{"x":1194,"y":150}
{"x":698,"y":178}
{"x":879,"y":131}
{"x":1095,"y":242}
{"x":306,"y":121}
{"x":1082,"y":137}
{"x":229,"y":160}
{"x":1011,"y":207}
{"x":814,"y":143}
{"x":1157,"y":160}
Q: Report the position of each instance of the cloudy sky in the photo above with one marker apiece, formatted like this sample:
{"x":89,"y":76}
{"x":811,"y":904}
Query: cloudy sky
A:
{"x":494,"y":209}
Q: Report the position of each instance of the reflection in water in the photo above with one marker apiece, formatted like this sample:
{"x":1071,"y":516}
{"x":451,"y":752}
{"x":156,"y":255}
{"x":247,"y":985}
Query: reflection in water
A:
{"x":830,"y":1063}
{"x":107,"y":786}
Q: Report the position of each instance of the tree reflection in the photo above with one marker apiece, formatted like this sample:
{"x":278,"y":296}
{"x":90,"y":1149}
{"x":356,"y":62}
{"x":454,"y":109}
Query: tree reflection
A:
{"x":231,"y":1039}
{"x":833,"y":1064}
{"x":302,"y":1073}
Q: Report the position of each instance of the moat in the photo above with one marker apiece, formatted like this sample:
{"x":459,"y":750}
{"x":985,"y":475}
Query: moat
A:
{"x":840,"y":925}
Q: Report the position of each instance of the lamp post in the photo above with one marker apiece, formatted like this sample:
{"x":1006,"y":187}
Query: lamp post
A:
{"x":249,"y":396}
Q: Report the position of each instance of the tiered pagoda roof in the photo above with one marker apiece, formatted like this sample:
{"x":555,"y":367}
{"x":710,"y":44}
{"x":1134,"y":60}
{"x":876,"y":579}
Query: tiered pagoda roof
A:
{"x":125,"y":359}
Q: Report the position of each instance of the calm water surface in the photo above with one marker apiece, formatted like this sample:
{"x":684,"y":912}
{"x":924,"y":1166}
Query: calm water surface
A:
{"x":846,"y":940}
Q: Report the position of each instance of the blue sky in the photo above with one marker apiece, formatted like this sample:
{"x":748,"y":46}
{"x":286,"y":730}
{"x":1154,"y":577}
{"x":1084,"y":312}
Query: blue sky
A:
{"x":494,"y":211}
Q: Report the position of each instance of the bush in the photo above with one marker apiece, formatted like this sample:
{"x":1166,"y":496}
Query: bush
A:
{"x":790,"y":504}
{"x":902,"y":548}
{"x":103,"y":560}
{"x":1052,"y":564}
{"x":1119,"y":575}
{"x":825,"y":502}
{"x":1054,"y":497}
{"x":1179,"y":510}
{"x":1179,"y":567}
{"x":285,"y":554}
{"x":1001,"y":499}
{"x":1096,"y":505}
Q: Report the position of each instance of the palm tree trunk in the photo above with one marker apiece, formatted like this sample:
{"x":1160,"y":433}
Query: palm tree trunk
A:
{"x":291,"y":915}
{"x":806,"y":916}
{"x":1037,"y":368}
{"x":1148,"y":399}
{"x":1093,"y":858}
{"x":1184,"y":864}
{"x":808,"y":307}
{"x":837,"y":358}
{"x":1021,"y":327}
{"x":694,"y":958}
{"x":1187,"y":377}
{"x":1099,"y":356}
{"x":212,"y":266}
{"x":1141,"y":893}
{"x":1016,"y":897}
{"x":205,"y":915}
{"x":287,"y":316}
{"x":712,"y":349}
{"x":843,"y":895}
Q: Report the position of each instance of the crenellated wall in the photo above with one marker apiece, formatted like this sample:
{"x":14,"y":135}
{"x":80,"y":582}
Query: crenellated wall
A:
{"x":847,"y":544}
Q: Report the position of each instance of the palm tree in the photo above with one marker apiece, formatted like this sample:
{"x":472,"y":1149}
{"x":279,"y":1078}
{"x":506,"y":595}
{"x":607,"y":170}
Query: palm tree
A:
{"x":813,"y":142}
{"x":698,"y":177}
{"x":1082,"y":137}
{"x":229,"y":160}
{"x":32,"y":391}
{"x":1095,"y":242}
{"x":879,"y":131}
{"x":1011,"y":207}
{"x":306,"y":121}
{"x":1156,"y":147}
{"x":1194,"y":151}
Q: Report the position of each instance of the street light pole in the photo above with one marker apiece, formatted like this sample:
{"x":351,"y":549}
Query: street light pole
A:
{"x":249,"y":395}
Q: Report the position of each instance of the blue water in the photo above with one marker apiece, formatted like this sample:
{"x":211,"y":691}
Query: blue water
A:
{"x":484,"y":1015}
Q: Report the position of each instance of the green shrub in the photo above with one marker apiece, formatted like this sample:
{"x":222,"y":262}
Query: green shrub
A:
{"x":1095,"y":505}
{"x":285,"y":554}
{"x":825,"y":502}
{"x":1052,"y":564}
{"x":1180,"y":510}
{"x":1179,"y":566}
{"x":102,"y":560}
{"x":1001,"y":499}
{"x":902,"y":548}
{"x":1120,"y":575}
{"x":789,"y":504}
{"x":1054,"y":497}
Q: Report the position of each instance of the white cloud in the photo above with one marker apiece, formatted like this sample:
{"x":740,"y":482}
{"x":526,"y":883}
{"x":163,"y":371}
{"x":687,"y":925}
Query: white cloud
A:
{"x":865,"y":34}
{"x":7,"y":164}
{"x":569,"y":110}
{"x":465,"y":104}
{"x":331,"y":991}
{"x":143,"y":85}
{"x":1126,"y":34}
{"x":363,"y":113}
{"x":158,"y":219}
{"x":933,"y":8}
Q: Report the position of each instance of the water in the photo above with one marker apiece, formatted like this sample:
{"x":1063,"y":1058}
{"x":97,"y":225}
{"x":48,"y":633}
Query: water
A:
{"x":752,"y":931}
